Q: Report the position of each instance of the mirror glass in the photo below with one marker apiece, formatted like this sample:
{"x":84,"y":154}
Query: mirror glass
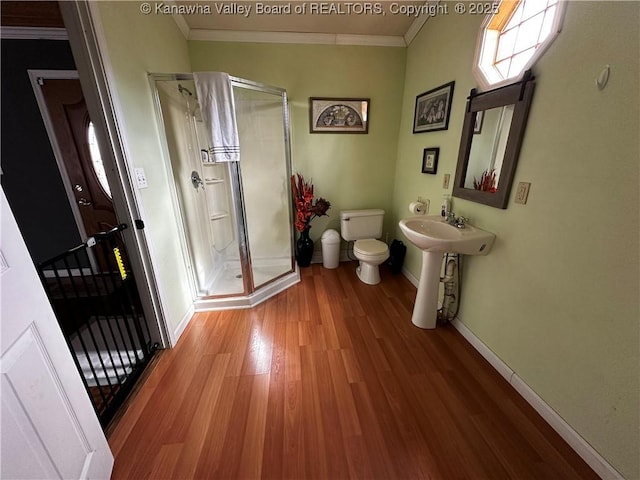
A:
{"x":492,"y":134}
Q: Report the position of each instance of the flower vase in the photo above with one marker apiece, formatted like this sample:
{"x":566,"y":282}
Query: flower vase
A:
{"x":304,"y":249}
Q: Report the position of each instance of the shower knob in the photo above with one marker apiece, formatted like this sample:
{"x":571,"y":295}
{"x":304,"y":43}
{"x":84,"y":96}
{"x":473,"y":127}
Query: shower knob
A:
{"x":196,"y":181}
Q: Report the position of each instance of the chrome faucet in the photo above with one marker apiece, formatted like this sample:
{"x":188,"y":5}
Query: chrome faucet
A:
{"x":451,"y":218}
{"x":458,"y":222}
{"x":461,"y":222}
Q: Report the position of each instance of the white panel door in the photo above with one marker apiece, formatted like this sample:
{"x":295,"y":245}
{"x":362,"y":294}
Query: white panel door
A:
{"x":48,"y":428}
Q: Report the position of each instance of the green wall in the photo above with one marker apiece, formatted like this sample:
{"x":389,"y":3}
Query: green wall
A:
{"x":350,"y":170}
{"x":137,"y":44}
{"x":557,"y":298}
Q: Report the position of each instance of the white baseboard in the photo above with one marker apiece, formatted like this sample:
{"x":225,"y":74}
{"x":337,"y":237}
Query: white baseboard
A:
{"x":495,"y":361}
{"x":414,"y":281}
{"x":573,"y":438}
{"x":177,"y":333}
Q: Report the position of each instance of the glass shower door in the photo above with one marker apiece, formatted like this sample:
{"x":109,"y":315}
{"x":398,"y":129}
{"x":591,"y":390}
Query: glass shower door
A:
{"x":265,"y":177}
{"x":202,"y":191}
{"x":236,"y":216}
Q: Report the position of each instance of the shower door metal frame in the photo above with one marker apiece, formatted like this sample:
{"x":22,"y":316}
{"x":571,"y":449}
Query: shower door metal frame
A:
{"x":236,"y":185}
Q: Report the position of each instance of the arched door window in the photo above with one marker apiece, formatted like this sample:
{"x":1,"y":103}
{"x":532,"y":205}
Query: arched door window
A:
{"x":96,"y":160}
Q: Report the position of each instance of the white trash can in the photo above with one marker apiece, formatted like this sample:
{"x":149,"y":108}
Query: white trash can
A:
{"x":330,"y":249}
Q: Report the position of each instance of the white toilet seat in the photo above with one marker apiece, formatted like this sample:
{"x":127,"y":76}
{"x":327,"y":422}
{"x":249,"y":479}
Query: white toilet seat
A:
{"x":370,"y":250}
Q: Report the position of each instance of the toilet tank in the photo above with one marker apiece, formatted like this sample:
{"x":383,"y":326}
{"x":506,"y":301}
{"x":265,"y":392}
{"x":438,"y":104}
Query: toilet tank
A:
{"x":358,"y":224}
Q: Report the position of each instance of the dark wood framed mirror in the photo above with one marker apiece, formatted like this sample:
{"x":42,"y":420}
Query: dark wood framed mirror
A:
{"x":492,"y":133}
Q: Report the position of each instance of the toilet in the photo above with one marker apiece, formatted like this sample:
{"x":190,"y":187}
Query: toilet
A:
{"x":364,"y":226}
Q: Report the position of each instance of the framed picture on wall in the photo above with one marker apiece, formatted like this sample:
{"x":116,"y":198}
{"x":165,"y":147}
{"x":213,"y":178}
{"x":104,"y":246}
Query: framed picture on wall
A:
{"x":433,"y":109}
{"x":339,"y":115}
{"x":430,"y":160}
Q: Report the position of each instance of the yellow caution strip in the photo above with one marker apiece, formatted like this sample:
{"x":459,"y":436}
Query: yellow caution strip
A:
{"x":116,"y":253}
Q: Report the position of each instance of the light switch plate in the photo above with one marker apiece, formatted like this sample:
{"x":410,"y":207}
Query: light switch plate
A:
{"x":522,"y":192}
{"x":141,"y":178}
{"x":445,"y":181}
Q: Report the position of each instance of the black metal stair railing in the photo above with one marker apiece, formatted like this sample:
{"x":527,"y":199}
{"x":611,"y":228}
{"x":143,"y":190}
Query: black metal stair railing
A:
{"x":95,"y":299}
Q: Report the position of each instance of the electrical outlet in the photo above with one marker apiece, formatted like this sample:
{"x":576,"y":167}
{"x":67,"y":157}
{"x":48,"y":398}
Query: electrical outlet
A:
{"x":141,"y":178}
{"x":445,"y":181}
{"x":522,"y":192}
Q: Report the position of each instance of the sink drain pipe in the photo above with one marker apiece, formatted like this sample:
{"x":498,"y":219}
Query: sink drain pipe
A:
{"x":451,"y":283}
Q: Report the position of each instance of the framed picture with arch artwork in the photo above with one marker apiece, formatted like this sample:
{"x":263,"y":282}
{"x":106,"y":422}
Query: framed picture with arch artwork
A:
{"x":339,"y":115}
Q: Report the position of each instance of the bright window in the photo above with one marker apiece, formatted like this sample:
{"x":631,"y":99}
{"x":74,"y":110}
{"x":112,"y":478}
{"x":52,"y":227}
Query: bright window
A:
{"x":513,"y":38}
{"x":96,"y":159}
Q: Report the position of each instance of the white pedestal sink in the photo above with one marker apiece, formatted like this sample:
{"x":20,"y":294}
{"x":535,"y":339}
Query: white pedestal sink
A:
{"x":435,"y":237}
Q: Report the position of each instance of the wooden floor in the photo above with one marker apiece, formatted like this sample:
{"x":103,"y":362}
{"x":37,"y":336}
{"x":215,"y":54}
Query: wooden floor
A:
{"x":330,"y":380}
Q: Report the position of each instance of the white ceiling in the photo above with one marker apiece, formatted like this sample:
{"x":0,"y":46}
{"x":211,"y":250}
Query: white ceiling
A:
{"x":330,"y":22}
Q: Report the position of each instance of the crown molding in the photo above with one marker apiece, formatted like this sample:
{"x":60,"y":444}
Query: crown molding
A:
{"x":300,"y":38}
{"x":33,"y":33}
{"x":415,"y":28}
{"x":419,"y":22}
{"x":182,"y":25}
{"x":370,"y":40}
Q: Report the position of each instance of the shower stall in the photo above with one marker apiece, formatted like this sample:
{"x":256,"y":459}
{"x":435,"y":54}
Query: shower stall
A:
{"x":236,"y":218}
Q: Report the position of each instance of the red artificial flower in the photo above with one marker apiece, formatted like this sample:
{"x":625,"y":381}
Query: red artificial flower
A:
{"x":487,"y":182}
{"x":305,"y":209}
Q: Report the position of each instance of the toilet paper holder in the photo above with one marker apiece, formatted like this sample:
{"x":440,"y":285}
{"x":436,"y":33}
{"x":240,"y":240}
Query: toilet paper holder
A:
{"x":419,"y":208}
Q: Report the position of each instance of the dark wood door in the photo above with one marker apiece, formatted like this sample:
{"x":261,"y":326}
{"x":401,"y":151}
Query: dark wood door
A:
{"x":71,"y":122}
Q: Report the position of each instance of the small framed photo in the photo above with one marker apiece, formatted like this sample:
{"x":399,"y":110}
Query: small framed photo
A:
{"x":339,"y":115}
{"x":433,"y":109}
{"x":430,"y":160}
{"x":477,"y":126}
